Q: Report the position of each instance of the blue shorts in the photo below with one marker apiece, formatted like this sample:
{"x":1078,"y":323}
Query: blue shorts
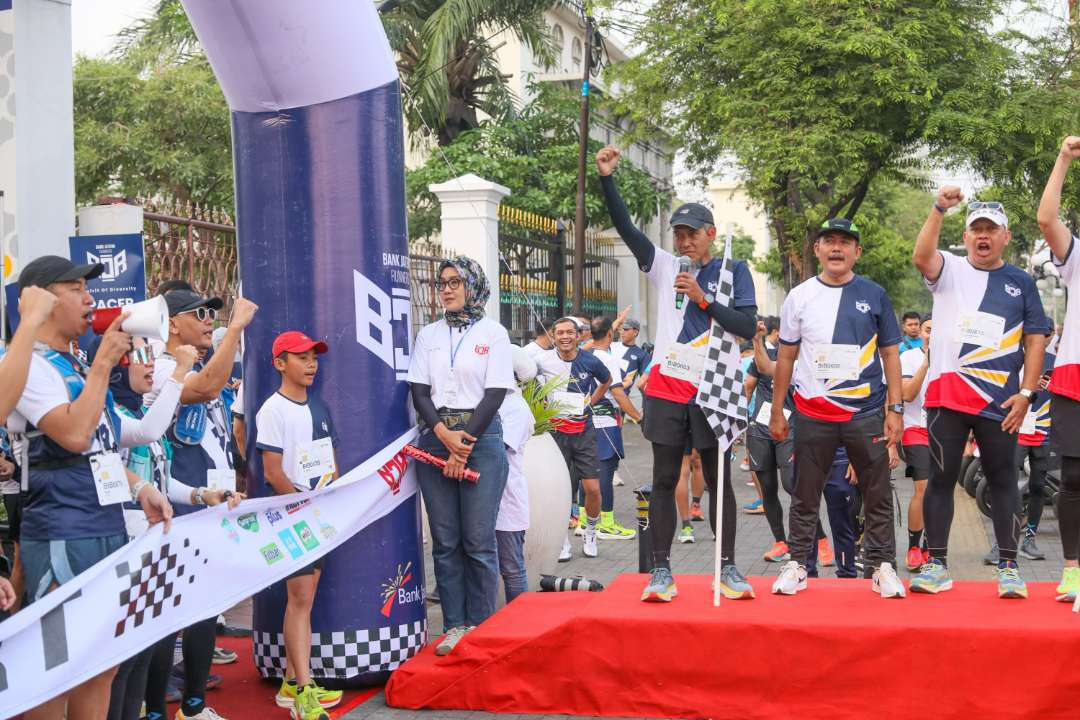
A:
{"x":58,"y":561}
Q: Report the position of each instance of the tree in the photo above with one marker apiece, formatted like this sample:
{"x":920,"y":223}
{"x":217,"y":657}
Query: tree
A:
{"x":534,"y":154}
{"x":814,"y":100}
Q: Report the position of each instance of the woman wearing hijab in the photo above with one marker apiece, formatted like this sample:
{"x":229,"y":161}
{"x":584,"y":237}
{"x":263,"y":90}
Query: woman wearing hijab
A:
{"x":461,"y":368}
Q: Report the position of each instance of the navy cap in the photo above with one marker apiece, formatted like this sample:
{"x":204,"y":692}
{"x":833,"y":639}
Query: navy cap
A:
{"x":840,"y":225}
{"x":49,"y":269}
{"x":181,"y":301}
{"x":692,"y":215}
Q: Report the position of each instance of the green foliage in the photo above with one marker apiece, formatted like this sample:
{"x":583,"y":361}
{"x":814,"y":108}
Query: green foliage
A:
{"x":535,"y":154}
{"x":537,"y":396}
{"x":816,"y":100}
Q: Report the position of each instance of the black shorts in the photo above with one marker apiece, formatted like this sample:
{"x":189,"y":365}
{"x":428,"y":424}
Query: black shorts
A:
{"x":13,"y":504}
{"x":309,"y":569}
{"x":672,"y":423}
{"x":917,"y":459}
{"x":1064,"y":421}
{"x":579,"y":452}
{"x":767,"y":454}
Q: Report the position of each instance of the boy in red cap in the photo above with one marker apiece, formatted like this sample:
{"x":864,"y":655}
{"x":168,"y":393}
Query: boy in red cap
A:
{"x":296,"y":441}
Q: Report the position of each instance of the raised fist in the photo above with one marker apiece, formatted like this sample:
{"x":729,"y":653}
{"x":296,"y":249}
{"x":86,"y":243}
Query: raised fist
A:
{"x":35,"y":305}
{"x":185,"y":355}
{"x":760,"y":330}
{"x":949,"y":196}
{"x":607,"y":159}
{"x":1070,"y":147}
{"x":243,"y":312}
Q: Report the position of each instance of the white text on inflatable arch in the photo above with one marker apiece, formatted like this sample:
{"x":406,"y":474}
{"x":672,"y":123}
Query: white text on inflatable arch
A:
{"x":377,"y":315}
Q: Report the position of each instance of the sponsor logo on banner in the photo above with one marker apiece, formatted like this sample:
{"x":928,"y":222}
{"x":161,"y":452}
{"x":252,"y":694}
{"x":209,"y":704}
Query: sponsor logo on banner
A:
{"x":296,"y":506}
{"x":271,"y":553}
{"x":327,"y":530}
{"x":393,"y":471}
{"x":273,"y":515}
{"x":155,"y":583}
{"x":307,"y":537}
{"x":228,"y":528}
{"x":394,"y":591}
{"x":249,"y":522}
{"x":289,"y":540}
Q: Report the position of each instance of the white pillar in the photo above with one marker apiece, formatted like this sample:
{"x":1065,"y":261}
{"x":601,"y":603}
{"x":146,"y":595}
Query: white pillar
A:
{"x":470,"y":225}
{"x":115,"y":219}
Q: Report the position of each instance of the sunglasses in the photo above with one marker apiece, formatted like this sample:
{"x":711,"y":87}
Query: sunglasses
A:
{"x":452,"y":283}
{"x":979,"y":205}
{"x":143,"y":355}
{"x":202,"y":313}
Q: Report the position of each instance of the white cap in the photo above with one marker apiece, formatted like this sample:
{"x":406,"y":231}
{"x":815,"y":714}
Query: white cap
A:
{"x":994,"y":215}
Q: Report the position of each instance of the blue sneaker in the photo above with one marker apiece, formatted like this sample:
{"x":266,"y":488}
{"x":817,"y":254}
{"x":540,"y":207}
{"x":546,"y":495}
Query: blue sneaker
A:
{"x":754,"y":508}
{"x":734,"y":585}
{"x":933,"y":578}
{"x":661,"y":587}
{"x":1010,"y":584}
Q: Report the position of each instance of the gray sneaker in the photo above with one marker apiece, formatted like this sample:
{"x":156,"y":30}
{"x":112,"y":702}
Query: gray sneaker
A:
{"x":993,"y":557}
{"x":451,"y":639}
{"x":661,"y":587}
{"x":1029,"y":550}
{"x":734,"y":585}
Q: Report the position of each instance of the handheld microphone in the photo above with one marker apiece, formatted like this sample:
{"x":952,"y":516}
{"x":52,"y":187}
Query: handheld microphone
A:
{"x":685,"y":264}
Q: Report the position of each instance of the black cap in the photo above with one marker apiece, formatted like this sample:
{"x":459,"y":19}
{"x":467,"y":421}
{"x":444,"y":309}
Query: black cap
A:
{"x":49,"y":269}
{"x":181,"y":301}
{"x":692,"y":215}
{"x":840,"y":225}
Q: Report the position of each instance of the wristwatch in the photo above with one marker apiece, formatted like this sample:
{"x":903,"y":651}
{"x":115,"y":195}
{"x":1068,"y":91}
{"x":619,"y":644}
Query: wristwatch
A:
{"x":1027,"y":393}
{"x":896,"y":408}
{"x":706,"y":302}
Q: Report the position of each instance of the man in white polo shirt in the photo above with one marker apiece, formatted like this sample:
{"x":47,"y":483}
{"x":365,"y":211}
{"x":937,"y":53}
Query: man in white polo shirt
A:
{"x":990,"y":334}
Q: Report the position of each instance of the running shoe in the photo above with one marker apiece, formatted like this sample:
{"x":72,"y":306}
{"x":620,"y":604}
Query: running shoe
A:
{"x":572,"y":525}
{"x":754,"y":508}
{"x":223,"y":656}
{"x":588,"y":545}
{"x":306,"y":706}
{"x":886,"y":583}
{"x":207,"y":713}
{"x":686,"y":535}
{"x":1070,"y":584}
{"x":451,"y":639}
{"x":617,"y":481}
{"x":745,"y":464}
{"x":779,"y":552}
{"x":825,"y":555}
{"x":993,"y":557}
{"x":695,"y":513}
{"x":792,"y":579}
{"x":915,"y":559}
{"x":567,"y":552}
{"x":286,"y":695}
{"x":661,"y":587}
{"x":610,"y":529}
{"x":734,"y":585}
{"x":933,"y":578}
{"x":1029,"y":550}
{"x":1010,"y":584}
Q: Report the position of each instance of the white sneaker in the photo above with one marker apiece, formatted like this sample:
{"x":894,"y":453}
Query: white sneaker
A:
{"x":886,"y":583}
{"x":792,"y":579}
{"x":566,"y":553}
{"x":451,"y":639}
{"x":588,"y":547}
{"x":617,"y":481}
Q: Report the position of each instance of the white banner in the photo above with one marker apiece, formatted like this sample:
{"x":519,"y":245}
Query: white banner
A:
{"x":208,"y":562}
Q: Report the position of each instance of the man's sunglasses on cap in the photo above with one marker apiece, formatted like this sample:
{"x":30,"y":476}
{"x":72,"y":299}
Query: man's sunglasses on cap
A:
{"x":980,"y":205}
{"x":202,"y":313}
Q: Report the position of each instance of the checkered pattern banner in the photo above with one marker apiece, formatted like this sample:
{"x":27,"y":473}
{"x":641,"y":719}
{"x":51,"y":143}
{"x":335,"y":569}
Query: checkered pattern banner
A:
{"x":155,"y":582}
{"x":345,"y":654}
{"x":720,"y":391}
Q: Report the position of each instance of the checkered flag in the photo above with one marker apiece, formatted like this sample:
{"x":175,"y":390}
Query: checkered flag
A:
{"x":156,"y":582}
{"x":720,"y":391}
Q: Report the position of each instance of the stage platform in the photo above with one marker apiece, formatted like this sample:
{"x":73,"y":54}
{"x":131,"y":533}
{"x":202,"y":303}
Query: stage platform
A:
{"x":834,"y":651}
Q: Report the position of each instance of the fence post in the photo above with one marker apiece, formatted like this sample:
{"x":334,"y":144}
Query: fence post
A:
{"x":470,"y":225}
{"x":560,"y":264}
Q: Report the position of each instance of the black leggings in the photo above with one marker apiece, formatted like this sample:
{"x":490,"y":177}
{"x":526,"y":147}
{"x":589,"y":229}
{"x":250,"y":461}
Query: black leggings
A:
{"x":1068,"y":508}
{"x":667,"y":464}
{"x":198,"y":645}
{"x":997,"y":451}
{"x":129,"y":687}
{"x":1039,"y":462}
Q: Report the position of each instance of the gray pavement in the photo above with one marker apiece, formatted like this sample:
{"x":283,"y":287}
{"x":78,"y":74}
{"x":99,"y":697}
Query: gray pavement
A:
{"x":969,"y":541}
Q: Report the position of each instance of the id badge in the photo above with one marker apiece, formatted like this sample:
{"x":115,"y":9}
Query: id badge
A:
{"x":836,"y":362}
{"x":980,"y":328}
{"x":110,"y":478}
{"x":684,"y":362}
{"x":765,"y":412}
{"x":1028,"y":426}
{"x":221,"y":480}
{"x":569,"y":403}
{"x":316,"y":461}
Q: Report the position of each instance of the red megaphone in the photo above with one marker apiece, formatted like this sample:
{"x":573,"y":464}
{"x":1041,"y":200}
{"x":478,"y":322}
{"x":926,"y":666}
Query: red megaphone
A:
{"x":103,"y":318}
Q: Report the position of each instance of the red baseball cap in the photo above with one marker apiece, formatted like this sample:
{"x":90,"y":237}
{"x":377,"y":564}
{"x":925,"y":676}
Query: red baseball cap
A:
{"x":295,"y":341}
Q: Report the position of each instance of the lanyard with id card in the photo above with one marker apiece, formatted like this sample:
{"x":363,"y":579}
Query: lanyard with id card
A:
{"x":450,"y":395}
{"x":836,"y":362}
{"x":684,"y":362}
{"x":980,"y":328}
{"x":110,"y":478}
{"x":316,"y":461}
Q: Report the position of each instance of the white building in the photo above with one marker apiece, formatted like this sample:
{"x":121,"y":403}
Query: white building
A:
{"x":733,"y":209}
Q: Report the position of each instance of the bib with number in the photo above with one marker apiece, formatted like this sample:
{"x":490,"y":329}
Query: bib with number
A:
{"x":684,"y":362}
{"x":836,"y":362}
{"x":569,"y":403}
{"x":1028,"y":426}
{"x":316,"y":461}
{"x":765,"y":411}
{"x":110,"y":478}
{"x":980,"y":328}
{"x":221,"y":479}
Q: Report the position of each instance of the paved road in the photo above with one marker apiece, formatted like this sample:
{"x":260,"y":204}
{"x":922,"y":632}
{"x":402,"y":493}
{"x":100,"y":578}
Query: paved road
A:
{"x":968,"y":543}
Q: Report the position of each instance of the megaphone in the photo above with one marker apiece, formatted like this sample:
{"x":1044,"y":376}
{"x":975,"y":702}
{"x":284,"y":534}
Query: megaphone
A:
{"x":148,"y":319}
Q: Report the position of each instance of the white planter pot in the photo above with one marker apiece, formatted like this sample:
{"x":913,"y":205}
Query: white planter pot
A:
{"x":549,"y":506}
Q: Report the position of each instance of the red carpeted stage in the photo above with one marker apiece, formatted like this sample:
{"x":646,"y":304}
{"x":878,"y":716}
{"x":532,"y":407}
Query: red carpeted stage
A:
{"x":835,"y":651}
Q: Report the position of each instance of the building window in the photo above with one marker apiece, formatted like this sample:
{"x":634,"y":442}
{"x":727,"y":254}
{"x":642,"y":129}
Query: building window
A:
{"x":576,"y":53}
{"x":558,"y":41}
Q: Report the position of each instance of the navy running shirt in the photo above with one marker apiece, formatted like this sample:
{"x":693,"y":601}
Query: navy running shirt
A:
{"x":584,"y":374}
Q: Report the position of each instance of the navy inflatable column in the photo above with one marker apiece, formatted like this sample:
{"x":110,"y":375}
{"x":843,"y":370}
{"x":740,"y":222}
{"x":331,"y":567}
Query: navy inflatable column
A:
{"x":319,"y":159}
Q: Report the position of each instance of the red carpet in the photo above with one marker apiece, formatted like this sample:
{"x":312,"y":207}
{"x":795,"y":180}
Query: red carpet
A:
{"x":836,"y":651}
{"x":244,"y":694}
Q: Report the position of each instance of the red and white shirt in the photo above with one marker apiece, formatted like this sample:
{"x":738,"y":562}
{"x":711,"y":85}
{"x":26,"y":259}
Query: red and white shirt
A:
{"x":980,"y":319}
{"x":914,"y":413}
{"x":1066,"y":379}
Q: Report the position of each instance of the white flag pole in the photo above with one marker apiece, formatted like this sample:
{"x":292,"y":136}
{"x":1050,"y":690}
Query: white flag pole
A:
{"x":3,"y":281}
{"x":723,"y":472}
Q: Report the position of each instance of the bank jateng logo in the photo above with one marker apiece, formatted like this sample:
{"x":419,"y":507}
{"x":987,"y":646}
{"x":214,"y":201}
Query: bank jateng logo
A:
{"x":156,"y":582}
{"x":394,"y":591}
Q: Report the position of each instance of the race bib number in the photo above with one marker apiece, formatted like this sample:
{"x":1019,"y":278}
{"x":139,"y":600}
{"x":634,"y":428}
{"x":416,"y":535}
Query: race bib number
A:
{"x":224,"y":479}
{"x":765,"y":411}
{"x":1028,"y":426}
{"x":980,"y":328}
{"x":836,"y":362}
{"x":569,"y":403}
{"x":684,"y":362}
{"x":316,"y":461}
{"x":110,"y":478}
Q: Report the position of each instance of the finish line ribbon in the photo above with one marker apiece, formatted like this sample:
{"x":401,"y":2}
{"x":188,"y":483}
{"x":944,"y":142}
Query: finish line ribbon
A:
{"x":208,"y":562}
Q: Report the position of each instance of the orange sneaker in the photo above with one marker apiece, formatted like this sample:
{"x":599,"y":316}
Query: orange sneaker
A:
{"x":825,"y":553}
{"x":573,"y":522}
{"x":695,"y":512}
{"x":915,"y":559}
{"x":779,"y":552}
